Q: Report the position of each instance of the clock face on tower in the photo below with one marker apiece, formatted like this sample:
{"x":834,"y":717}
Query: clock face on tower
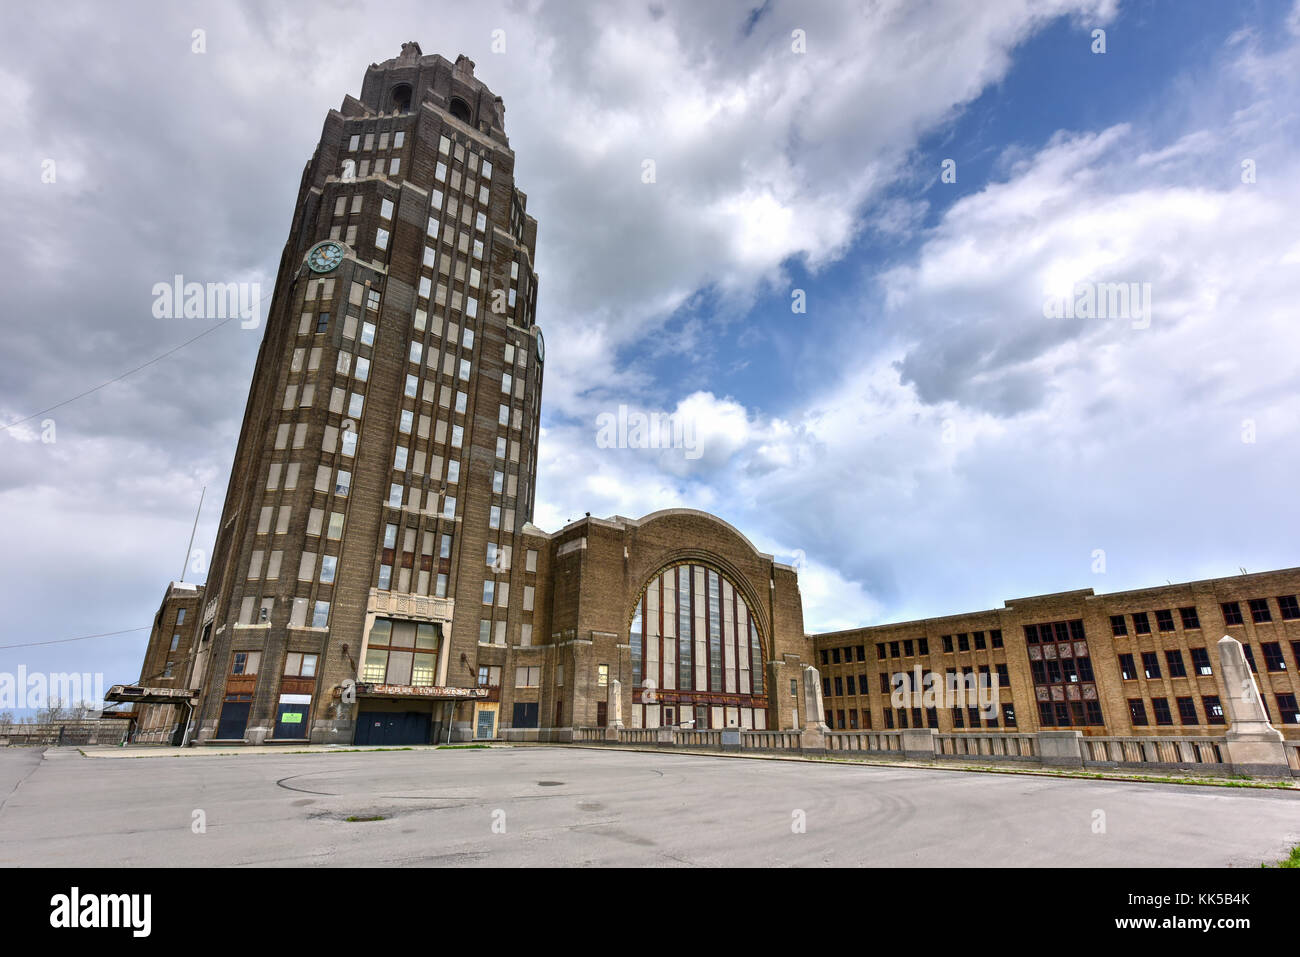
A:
{"x":325,"y":256}
{"x":541,"y":347}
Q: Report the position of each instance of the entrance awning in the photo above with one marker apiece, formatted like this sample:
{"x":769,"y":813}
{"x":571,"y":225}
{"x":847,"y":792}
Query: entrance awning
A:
{"x":144,"y":695}
{"x":421,"y":692}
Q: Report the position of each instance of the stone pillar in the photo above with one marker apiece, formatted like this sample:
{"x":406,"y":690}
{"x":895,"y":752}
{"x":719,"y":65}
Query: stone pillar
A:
{"x":918,"y":743}
{"x":1254,"y":746}
{"x":614,"y":710}
{"x":814,"y":711}
{"x":1061,"y":749}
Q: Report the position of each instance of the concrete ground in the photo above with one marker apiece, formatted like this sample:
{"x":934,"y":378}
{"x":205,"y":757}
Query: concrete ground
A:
{"x":531,"y":806}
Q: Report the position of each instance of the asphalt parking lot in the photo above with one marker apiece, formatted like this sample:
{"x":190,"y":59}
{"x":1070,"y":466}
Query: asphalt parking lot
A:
{"x":532,"y":806}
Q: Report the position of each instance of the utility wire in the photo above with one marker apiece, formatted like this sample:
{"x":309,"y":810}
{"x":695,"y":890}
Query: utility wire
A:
{"x":60,"y":641}
{"x":81,"y":395}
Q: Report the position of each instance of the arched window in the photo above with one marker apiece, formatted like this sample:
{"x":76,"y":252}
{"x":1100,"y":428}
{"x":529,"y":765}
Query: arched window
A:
{"x":459,"y":109}
{"x":401,"y":98}
{"x":697,"y":656}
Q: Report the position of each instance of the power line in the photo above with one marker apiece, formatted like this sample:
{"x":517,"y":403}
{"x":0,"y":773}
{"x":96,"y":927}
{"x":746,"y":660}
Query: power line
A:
{"x":142,"y":365}
{"x":60,"y":641}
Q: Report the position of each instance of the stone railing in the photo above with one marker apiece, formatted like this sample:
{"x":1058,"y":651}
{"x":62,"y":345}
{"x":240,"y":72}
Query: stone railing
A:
{"x":771,"y":740}
{"x":1043,"y":748}
{"x":1166,"y":751}
{"x":104,"y":731}
{"x":691,"y":738}
{"x":982,"y":744}
{"x":1293,"y":756}
{"x":880,"y":742}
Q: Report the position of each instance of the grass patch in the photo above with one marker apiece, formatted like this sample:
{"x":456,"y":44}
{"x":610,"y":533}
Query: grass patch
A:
{"x":361,"y":820}
{"x":1291,"y":860}
{"x":463,"y":747}
{"x":1232,"y":781}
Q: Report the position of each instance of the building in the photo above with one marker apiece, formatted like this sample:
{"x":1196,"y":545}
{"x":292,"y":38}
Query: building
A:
{"x":377,"y":578}
{"x":169,"y":662}
{"x":386,"y":461}
{"x":1129,"y":663}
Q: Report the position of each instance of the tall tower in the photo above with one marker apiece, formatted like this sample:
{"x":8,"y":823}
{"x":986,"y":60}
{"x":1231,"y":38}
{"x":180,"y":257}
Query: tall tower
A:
{"x":386,"y":462}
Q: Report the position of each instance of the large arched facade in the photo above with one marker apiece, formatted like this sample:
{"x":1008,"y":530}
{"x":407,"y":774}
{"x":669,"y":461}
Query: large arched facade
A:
{"x":697,"y":652}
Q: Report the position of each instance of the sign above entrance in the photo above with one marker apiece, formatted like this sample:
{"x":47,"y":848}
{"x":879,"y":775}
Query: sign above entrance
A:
{"x":419,"y":691}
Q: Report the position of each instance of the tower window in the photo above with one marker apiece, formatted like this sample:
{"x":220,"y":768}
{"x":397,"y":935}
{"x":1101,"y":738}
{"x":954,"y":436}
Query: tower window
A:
{"x":401,"y":98}
{"x":459,"y":109}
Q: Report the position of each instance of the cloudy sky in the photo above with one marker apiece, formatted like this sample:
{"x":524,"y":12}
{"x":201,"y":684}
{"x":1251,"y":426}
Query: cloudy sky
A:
{"x":918,"y":437}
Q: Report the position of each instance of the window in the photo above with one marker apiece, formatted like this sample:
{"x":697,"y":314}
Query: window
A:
{"x":402,"y":653}
{"x":1273,"y":656}
{"x":528,"y":676}
{"x":1177,"y":669}
{"x":880,"y":650}
{"x":328,"y":566}
{"x":1187,"y":711}
{"x":386,"y":209}
{"x":1213,"y":710}
{"x":963,"y":642}
{"x":180,"y":616}
{"x":1165,"y":620}
{"x":1286,"y":706}
{"x":1141,"y":624}
{"x":299,"y":665}
{"x":335,"y":530}
{"x":489,"y":590}
{"x":978,"y":637}
{"x":1160,"y":708}
{"x":1201,"y":661}
{"x":245,"y":662}
{"x":1137,"y":712}
{"x":1259,"y":612}
{"x":1151,"y":664}
{"x":946,"y":640}
{"x":1287,"y":605}
{"x":176,"y":640}
{"x":342,"y":482}
{"x":320,"y":615}
{"x":1231,"y":613}
{"x":995,"y":638}
{"x":1118,"y":626}
{"x":1127,"y":670}
{"x":1190,"y":618}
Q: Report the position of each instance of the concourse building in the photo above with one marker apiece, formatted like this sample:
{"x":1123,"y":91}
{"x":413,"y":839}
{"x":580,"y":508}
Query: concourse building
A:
{"x":377,"y":577}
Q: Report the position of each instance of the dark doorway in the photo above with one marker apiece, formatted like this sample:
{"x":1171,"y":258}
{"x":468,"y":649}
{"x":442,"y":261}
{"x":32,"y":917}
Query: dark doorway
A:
{"x":525,"y":715}
{"x":234,"y":717}
{"x":393,"y":727}
{"x":602,"y":713}
{"x":291,"y":721}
